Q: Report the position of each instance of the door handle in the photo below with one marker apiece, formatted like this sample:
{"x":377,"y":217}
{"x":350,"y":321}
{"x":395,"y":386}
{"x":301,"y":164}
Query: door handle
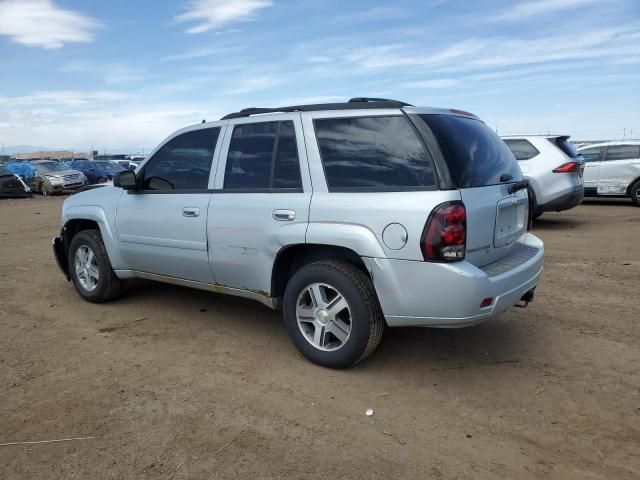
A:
{"x":190,"y":212}
{"x":283,"y":215}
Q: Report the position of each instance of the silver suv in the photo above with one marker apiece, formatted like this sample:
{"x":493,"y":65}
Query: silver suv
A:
{"x":347,"y":216}
{"x":553,"y":169}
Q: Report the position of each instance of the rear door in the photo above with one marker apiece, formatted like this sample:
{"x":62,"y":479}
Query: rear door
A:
{"x":486,"y":173}
{"x":620,"y":167}
{"x":261,"y":200}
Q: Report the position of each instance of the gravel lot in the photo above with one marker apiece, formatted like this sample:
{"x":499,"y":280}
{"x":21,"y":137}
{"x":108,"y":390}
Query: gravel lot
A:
{"x":179,"y":383}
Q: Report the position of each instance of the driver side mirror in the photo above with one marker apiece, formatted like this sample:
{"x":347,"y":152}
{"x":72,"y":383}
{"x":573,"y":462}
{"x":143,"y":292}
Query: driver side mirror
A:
{"x":126,"y":180}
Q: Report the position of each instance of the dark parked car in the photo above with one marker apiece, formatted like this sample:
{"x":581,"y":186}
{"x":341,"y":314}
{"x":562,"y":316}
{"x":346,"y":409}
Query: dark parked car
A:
{"x":11,"y":185}
{"x":100,"y":171}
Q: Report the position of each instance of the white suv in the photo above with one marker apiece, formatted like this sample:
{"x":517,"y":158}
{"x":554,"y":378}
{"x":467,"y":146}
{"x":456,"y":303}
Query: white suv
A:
{"x":612,"y":169}
{"x":347,"y":216}
{"x":553,"y":168}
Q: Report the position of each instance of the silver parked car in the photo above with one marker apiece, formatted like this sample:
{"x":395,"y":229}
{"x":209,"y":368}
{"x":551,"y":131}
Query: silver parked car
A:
{"x":349,"y":217}
{"x":553,"y":169}
{"x":612,"y":169}
{"x":55,"y":177}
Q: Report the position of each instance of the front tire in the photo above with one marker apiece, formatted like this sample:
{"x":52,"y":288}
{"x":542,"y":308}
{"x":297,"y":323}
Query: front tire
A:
{"x":90,"y":268}
{"x":332,"y":314}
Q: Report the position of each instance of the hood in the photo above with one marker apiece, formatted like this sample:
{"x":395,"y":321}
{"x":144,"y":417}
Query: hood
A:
{"x":60,"y":173}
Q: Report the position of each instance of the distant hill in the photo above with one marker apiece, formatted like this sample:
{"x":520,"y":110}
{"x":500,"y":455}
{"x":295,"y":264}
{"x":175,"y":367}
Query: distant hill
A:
{"x":12,"y":150}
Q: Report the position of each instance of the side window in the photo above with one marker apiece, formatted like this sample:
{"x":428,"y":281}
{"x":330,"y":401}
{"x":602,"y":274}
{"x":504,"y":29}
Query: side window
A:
{"x":591,"y":154}
{"x":623,"y":152}
{"x":372,"y":153}
{"x":522,"y":149}
{"x":263,"y":156}
{"x":183,"y":163}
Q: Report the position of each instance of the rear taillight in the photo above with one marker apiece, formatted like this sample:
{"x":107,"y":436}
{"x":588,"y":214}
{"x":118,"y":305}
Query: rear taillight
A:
{"x":568,"y":167}
{"x":445,"y":234}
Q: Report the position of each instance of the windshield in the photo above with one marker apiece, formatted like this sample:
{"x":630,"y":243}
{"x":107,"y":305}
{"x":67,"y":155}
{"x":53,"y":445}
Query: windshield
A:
{"x":49,"y":167}
{"x":478,"y":157}
{"x":109,"y":166}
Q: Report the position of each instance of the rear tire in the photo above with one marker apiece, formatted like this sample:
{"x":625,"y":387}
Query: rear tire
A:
{"x":332,"y":314}
{"x":634,"y":193}
{"x":90,"y":268}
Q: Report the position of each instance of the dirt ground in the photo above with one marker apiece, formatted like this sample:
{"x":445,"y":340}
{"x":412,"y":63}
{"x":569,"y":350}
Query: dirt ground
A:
{"x":176,"y":383}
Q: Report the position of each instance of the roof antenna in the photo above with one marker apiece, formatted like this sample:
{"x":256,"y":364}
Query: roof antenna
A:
{"x":204,"y":121}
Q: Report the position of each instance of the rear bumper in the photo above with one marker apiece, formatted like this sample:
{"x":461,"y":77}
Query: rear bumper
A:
{"x":565,"y":201}
{"x":449,"y":295}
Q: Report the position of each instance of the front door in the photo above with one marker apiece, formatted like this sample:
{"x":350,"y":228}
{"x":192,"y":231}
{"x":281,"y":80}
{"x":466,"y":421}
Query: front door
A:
{"x":261,"y":202}
{"x":162,"y":226}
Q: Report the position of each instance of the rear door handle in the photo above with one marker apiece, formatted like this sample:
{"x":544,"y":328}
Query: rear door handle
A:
{"x":190,"y":212}
{"x":283,"y":215}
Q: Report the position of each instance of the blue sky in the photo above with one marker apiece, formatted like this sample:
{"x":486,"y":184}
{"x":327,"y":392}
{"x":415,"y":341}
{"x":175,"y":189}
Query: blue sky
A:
{"x":125,"y":74}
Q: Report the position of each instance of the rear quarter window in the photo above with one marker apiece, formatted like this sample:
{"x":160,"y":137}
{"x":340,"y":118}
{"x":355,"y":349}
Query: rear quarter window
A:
{"x":477,"y":156}
{"x":522,"y":149}
{"x":373,"y":153}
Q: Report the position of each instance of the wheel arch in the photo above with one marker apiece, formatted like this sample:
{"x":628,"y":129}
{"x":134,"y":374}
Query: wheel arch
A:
{"x":292,"y":257}
{"x":631,"y":184}
{"x":77,"y":219}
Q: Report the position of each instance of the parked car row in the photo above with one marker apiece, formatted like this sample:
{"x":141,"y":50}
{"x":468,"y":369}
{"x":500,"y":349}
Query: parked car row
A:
{"x":560,"y":175}
{"x":49,"y":177}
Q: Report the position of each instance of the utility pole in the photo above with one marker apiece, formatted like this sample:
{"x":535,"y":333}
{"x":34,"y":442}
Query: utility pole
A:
{"x":624,"y":133}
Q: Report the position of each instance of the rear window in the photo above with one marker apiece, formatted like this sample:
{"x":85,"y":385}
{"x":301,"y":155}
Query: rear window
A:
{"x":373,"y":153}
{"x":477,"y":156}
{"x":522,"y":149}
{"x":563,"y":144}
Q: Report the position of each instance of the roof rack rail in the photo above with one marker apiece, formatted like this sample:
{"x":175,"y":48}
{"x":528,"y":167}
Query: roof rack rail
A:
{"x":373,"y":99}
{"x":353,"y":104}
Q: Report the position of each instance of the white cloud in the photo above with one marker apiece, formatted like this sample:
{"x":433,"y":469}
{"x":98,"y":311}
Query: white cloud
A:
{"x":371,"y":15}
{"x":254,"y":84}
{"x":63,"y":97}
{"x":111,"y":73}
{"x":213,"y":14}
{"x":435,"y":83}
{"x":41,"y":23}
{"x":528,"y":9}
